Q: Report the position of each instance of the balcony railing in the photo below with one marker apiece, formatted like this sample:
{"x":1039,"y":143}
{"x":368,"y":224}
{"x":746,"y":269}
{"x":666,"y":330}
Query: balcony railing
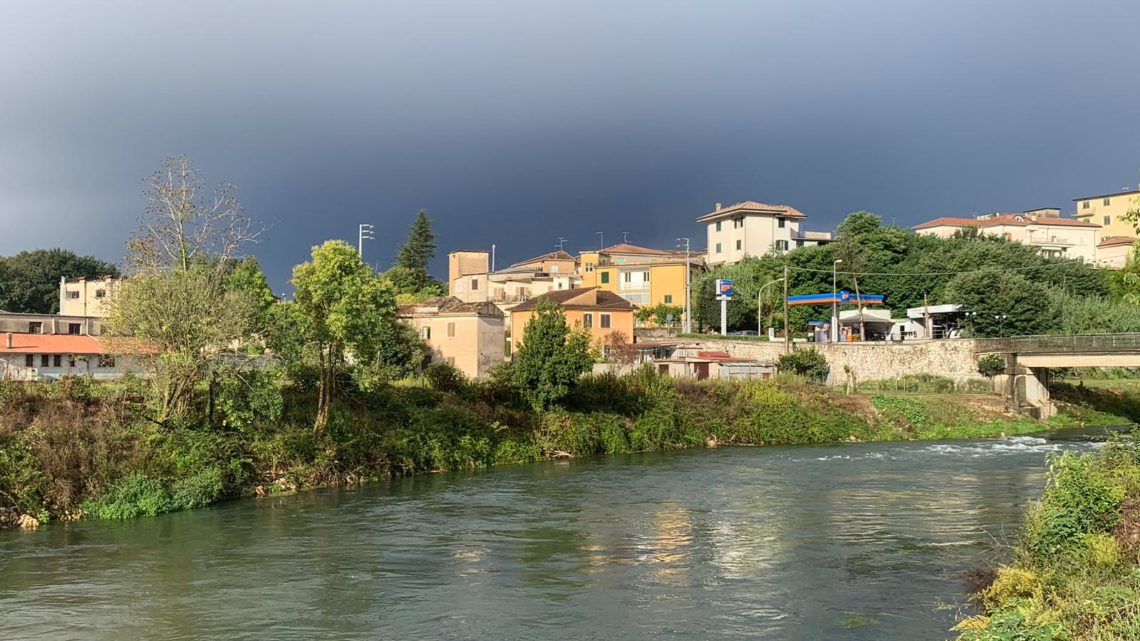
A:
{"x":1092,"y":343}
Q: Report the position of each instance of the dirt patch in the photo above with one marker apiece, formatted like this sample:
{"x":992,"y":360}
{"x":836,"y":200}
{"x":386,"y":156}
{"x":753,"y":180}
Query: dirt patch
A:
{"x":1127,"y":532}
{"x":856,"y":404}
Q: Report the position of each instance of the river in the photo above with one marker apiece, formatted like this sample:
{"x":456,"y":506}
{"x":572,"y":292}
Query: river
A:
{"x":859,"y":541}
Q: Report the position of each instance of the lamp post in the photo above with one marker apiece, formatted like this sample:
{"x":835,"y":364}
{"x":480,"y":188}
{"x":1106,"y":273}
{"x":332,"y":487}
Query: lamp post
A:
{"x":834,"y":304}
{"x":1000,"y":318}
{"x":970,"y":321}
{"x":687,"y":326}
{"x":760,"y":306}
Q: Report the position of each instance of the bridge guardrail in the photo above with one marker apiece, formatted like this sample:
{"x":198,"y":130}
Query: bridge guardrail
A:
{"x":1059,"y":344}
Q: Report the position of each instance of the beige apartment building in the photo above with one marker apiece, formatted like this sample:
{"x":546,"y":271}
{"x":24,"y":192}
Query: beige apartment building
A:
{"x":642,"y":275}
{"x":471,"y":280}
{"x":469,"y":335}
{"x":1045,"y":229}
{"x":1116,"y":239}
{"x":85,"y":297}
{"x":752,"y":228}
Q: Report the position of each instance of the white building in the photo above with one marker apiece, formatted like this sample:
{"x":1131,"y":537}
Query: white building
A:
{"x":1044,"y":229}
{"x":754,"y":229}
{"x":85,"y":297}
{"x":37,"y":357}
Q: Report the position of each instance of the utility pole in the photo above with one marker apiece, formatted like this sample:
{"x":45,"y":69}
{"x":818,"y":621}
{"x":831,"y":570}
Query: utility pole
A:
{"x":364,"y":232}
{"x":834,"y":303}
{"x":787,"y":330}
{"x":601,"y":241}
{"x":492,"y":257}
{"x":687,"y":326}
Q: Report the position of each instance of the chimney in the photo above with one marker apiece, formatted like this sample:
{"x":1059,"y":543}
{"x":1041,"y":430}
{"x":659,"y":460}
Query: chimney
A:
{"x":718,"y":207}
{"x":8,"y":340}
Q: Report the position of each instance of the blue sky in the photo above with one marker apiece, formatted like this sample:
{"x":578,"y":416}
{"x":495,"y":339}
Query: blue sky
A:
{"x":515,"y":123}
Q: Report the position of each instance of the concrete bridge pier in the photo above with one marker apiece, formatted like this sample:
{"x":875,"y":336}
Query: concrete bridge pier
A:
{"x":1025,"y":389}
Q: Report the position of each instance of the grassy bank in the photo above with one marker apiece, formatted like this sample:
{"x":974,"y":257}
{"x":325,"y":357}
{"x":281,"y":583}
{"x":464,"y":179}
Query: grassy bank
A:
{"x":1076,"y":573}
{"x":75,"y":448}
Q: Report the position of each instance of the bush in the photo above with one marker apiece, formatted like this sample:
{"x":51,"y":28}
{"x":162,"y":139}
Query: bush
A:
{"x":134,"y":496}
{"x":809,"y":363}
{"x":1079,"y":500}
{"x":445,"y":377}
{"x":991,"y":365}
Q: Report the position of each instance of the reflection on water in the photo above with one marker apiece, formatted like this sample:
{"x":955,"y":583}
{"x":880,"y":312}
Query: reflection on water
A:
{"x":768,"y":543}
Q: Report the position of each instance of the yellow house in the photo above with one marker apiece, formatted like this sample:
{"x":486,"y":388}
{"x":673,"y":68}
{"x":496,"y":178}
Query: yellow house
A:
{"x":470,"y":336}
{"x":640,"y":275}
{"x":600,"y":312}
{"x":1116,"y":237}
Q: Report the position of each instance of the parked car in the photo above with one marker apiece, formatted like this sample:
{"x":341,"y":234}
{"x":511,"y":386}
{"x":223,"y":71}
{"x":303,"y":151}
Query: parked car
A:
{"x":744,"y":332}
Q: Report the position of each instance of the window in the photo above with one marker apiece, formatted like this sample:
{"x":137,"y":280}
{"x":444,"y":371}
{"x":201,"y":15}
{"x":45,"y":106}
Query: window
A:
{"x":71,"y":361}
{"x":587,"y":320}
{"x":738,"y":245}
{"x":35,"y":327}
{"x":426,"y":333}
{"x":1108,"y":220}
{"x":718,"y":248}
{"x":628,"y":277}
{"x":645,"y":277}
{"x":45,"y":360}
{"x":1085,"y":204}
{"x":1106,"y":200}
{"x":604,"y":321}
{"x":73,"y":295}
{"x":668,"y":299}
{"x":100,"y":293}
{"x":589,"y":267}
{"x":737,"y":223}
{"x":718,"y":225}
{"x":73,"y":328}
{"x":605,"y":277}
{"x":57,"y":360}
{"x":782,"y":245}
{"x":29,"y":360}
{"x":474,"y":284}
{"x":451,"y":330}
{"x":106,"y":361}
{"x":781,"y":222}
{"x":554,"y":269}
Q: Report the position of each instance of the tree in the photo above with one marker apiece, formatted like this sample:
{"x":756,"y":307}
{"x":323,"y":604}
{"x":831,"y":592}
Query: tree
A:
{"x":1003,"y":303}
{"x":991,"y":365}
{"x":247,"y":279}
{"x":181,"y":325}
{"x":340,"y":310}
{"x":29,"y":281}
{"x":551,"y":358}
{"x":417,"y":251}
{"x":183,"y":226}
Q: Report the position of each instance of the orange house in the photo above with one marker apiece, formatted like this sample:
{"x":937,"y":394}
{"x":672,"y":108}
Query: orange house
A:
{"x":600,"y":312}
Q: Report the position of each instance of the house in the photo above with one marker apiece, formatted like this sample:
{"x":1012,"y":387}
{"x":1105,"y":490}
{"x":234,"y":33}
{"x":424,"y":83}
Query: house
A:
{"x":1045,"y":229}
{"x":641,"y":275}
{"x":34,"y":357}
{"x":601,"y":312}
{"x":1107,"y":211}
{"x":471,"y":280}
{"x":701,"y":365}
{"x":86,"y":297}
{"x":1114,"y":252}
{"x":470,"y":336}
{"x":752,"y":228}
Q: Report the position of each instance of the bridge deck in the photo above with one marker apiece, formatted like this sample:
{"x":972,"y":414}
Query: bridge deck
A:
{"x":1087,"y":344}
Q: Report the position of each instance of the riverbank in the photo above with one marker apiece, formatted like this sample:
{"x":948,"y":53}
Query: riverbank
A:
{"x":1075,"y":575}
{"x":76,"y":449}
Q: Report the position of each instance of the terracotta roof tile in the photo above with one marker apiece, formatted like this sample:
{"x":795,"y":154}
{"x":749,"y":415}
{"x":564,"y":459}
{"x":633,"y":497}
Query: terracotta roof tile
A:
{"x":786,"y":211}
{"x":1116,"y":241}
{"x":51,"y":344}
{"x":563,"y":298}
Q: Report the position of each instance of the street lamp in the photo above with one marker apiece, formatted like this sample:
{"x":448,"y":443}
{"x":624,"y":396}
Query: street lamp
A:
{"x":834,"y":304}
{"x":687,"y":326}
{"x":760,"y":307}
{"x":1000,"y":318}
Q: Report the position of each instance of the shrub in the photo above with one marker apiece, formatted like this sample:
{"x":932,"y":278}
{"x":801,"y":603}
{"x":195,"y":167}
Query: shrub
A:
{"x":445,"y":377}
{"x":809,"y":363}
{"x":1079,"y":500}
{"x":134,"y":496}
{"x":245,"y":397}
{"x":991,"y":365}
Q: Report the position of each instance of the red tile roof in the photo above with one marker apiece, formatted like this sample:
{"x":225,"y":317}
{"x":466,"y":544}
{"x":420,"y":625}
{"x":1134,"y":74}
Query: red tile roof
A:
{"x":554,"y":255}
{"x":948,"y":221}
{"x":1003,"y":219}
{"x":579,"y":298}
{"x":787,"y":211}
{"x":51,"y":344}
{"x":626,"y":248}
{"x":1115,"y":241}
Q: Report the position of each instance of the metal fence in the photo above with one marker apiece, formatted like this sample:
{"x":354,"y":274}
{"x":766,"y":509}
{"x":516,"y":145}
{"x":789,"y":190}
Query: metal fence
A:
{"x":1091,"y":343}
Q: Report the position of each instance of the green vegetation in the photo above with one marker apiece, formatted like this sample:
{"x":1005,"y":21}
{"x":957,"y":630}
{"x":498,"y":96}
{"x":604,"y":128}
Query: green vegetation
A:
{"x":809,"y":363}
{"x":991,"y":365}
{"x":1035,"y":293}
{"x":661,"y":315}
{"x":551,"y":358}
{"x":29,"y":281}
{"x":1075,"y":576}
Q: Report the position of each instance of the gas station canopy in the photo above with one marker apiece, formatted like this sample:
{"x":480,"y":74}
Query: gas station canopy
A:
{"x":843,"y":297}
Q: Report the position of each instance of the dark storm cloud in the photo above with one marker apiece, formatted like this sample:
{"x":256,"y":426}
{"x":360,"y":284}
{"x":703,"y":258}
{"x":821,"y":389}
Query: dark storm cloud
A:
{"x":515,"y":123}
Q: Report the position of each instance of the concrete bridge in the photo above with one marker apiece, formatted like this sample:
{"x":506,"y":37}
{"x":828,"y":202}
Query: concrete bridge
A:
{"x":1029,"y":358}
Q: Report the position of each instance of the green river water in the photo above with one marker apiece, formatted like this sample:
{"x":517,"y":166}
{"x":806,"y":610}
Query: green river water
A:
{"x":860,"y":541}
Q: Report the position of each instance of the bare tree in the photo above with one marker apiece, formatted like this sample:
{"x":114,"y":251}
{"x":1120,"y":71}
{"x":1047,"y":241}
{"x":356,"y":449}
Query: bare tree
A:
{"x":185,"y":224}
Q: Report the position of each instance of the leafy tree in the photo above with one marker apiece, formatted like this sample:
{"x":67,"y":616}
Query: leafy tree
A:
{"x":551,"y":358}
{"x":1004,"y":303}
{"x":340,"y":308}
{"x":29,"y":281}
{"x":417,"y":252}
{"x":247,"y":279}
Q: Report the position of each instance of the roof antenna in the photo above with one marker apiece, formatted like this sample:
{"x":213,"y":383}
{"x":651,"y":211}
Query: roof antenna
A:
{"x":560,"y":242}
{"x":625,"y":237}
